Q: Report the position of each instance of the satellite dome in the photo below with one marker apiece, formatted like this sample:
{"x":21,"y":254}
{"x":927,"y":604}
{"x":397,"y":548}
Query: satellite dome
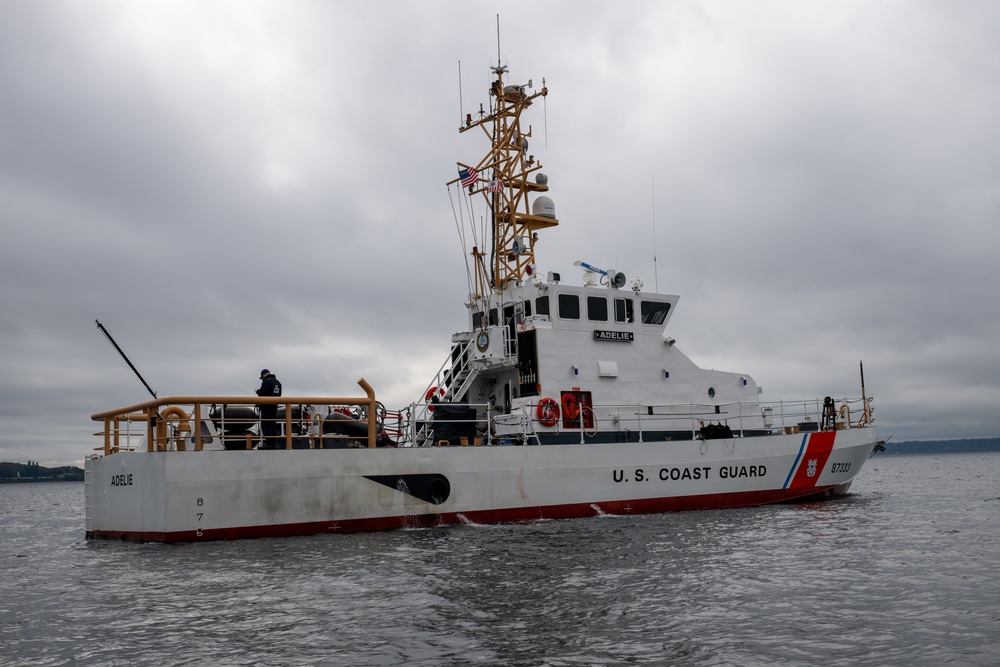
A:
{"x":541,"y":179}
{"x":543,"y":207}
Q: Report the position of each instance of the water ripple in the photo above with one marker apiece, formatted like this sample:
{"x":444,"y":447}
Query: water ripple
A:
{"x":900,"y":572}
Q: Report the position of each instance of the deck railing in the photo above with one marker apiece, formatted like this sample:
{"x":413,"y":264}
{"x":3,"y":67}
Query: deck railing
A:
{"x":165,"y":419}
{"x":168,"y":423}
{"x":640,"y":420}
{"x":776,"y":416}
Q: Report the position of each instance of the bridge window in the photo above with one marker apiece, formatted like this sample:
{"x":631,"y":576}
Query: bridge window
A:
{"x":597,"y":309}
{"x":623,"y":311}
{"x":654,"y":312}
{"x":569,"y":307}
{"x":542,"y":305}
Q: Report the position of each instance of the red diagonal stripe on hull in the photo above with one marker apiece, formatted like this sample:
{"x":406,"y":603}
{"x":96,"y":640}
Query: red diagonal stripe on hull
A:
{"x":818,"y":449}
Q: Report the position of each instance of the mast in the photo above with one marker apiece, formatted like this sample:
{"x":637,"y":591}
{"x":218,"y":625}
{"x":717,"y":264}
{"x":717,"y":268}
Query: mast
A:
{"x":505,"y":185}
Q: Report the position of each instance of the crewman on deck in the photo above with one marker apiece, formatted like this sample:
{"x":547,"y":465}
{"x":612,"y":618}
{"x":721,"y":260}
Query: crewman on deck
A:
{"x":269,"y":386}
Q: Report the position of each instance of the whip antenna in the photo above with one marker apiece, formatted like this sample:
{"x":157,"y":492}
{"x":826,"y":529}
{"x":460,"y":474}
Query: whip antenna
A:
{"x":461,"y":109}
{"x":656,"y":275}
{"x":545,"y":116}
{"x":134,"y":370}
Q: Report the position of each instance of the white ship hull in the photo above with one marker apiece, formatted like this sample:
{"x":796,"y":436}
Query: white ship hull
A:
{"x":179,"y":496}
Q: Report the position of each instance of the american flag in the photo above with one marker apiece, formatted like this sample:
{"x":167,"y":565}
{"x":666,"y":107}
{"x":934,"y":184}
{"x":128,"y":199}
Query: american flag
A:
{"x":495,"y":186}
{"x":468,"y":176}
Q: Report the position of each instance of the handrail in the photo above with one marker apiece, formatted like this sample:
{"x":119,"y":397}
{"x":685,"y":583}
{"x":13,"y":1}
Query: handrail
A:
{"x":790,"y":414}
{"x":447,"y":372}
{"x":148,"y":411}
{"x":755,"y":416}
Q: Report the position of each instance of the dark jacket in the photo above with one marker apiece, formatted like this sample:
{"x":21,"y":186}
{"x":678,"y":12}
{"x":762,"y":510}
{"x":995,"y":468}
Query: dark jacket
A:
{"x":269,"y":386}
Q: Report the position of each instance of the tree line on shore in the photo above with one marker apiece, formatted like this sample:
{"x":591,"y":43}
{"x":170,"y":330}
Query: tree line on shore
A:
{"x":33,"y":472}
{"x":961,"y":446}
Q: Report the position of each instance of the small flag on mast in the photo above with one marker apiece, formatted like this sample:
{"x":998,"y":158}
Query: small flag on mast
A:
{"x":468,"y":176}
{"x":495,"y":186}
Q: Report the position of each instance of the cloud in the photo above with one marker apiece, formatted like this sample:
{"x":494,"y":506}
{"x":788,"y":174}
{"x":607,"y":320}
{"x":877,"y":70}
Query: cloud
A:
{"x":233,"y":185}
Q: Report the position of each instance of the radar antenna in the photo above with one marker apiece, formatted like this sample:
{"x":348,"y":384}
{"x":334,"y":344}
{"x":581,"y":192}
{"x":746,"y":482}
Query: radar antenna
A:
{"x":616,"y":279}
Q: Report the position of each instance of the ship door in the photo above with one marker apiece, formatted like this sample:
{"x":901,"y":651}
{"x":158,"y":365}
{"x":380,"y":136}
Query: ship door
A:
{"x":527,"y":362}
{"x":513,"y":319}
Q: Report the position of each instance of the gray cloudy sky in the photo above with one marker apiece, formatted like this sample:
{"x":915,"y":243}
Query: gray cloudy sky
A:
{"x":234,"y":185}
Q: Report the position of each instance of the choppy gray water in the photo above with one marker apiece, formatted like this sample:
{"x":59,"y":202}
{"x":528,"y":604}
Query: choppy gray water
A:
{"x":904,"y":571}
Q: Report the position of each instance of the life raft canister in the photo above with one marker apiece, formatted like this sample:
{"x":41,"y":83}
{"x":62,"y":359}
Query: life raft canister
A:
{"x":548,"y":411}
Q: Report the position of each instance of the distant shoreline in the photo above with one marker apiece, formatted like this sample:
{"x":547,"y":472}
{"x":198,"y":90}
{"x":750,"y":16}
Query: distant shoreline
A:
{"x":14,"y":473}
{"x":37,"y":480}
{"x":964,"y":446}
{"x":17,"y":473}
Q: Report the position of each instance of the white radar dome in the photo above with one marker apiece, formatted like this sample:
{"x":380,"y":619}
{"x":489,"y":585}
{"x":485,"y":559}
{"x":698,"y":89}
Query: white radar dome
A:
{"x":543,"y":207}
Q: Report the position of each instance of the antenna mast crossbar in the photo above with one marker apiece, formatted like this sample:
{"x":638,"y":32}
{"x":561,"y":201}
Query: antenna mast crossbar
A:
{"x":505,"y":169}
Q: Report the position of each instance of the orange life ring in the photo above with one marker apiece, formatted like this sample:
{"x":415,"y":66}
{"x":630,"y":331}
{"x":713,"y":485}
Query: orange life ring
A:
{"x":430,"y":394}
{"x":570,"y":406}
{"x":548,"y":411}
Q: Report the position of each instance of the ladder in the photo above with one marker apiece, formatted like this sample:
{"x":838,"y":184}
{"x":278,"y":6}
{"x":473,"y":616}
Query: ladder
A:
{"x":88,"y":502}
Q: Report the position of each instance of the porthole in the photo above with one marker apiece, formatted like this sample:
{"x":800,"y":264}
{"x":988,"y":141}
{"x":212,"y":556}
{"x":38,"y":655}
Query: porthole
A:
{"x":711,"y":392}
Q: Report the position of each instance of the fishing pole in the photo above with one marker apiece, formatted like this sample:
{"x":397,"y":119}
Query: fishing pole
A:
{"x":127,"y":361}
